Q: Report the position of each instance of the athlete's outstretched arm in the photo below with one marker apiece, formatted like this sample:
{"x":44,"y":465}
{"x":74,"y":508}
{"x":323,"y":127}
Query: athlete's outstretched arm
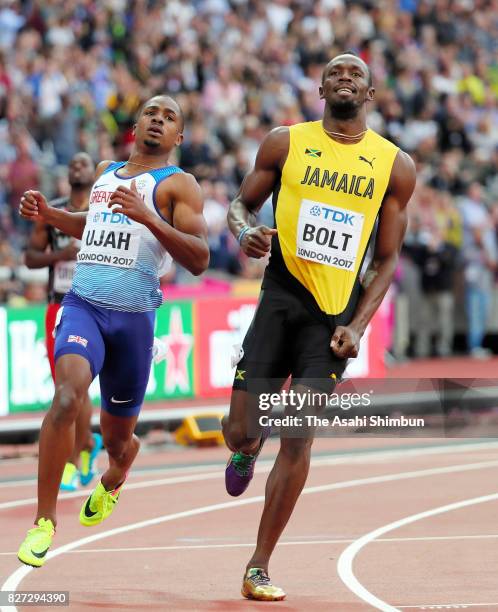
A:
{"x":186,"y":238}
{"x":390,"y":234}
{"x":255,"y":189}
{"x":34,"y":207}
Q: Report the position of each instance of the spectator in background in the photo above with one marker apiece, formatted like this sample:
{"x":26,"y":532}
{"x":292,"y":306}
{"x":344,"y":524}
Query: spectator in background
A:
{"x":72,"y":76}
{"x":23,"y":173}
{"x":437,"y":258}
{"x":480,"y":260}
{"x":197,"y":156}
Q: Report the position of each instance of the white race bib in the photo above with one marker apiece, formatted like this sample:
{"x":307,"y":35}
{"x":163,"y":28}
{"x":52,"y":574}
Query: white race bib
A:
{"x":110,"y":239}
{"x":329,"y":235}
{"x":63,"y":276}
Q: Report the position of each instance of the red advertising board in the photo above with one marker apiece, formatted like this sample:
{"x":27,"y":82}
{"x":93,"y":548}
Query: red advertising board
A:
{"x":221,"y":324}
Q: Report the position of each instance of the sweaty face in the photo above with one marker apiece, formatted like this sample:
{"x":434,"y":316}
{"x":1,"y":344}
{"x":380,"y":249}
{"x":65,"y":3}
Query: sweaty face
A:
{"x":345,"y":86}
{"x":159,"y":126}
{"x":81,"y":170}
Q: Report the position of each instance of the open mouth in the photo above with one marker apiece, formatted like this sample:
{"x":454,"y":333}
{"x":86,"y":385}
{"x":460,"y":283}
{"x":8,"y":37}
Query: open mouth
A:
{"x":155,"y":130}
{"x":347,"y":90}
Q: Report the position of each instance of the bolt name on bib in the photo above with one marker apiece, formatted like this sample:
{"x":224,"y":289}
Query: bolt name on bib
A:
{"x":328,"y":235}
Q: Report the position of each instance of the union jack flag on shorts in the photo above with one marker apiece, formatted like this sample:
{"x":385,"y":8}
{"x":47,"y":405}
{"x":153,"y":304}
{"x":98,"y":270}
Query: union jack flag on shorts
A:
{"x":78,"y":339}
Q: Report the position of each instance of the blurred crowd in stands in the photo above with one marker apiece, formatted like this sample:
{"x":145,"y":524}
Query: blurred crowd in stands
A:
{"x":73,"y":74}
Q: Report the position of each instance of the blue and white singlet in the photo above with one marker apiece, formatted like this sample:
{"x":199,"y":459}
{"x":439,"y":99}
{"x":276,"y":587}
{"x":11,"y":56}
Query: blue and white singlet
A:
{"x":120,"y":260}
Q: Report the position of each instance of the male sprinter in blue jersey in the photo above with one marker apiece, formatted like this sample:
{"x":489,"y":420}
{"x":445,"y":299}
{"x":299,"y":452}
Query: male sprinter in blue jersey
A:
{"x":142,"y":214}
{"x":331,"y":181}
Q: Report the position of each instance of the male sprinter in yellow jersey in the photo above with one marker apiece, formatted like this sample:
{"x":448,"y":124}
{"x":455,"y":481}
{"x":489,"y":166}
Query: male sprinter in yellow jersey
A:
{"x":331,"y":180}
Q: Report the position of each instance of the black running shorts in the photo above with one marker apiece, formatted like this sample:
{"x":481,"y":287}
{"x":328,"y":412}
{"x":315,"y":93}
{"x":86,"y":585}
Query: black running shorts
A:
{"x":284,"y":339}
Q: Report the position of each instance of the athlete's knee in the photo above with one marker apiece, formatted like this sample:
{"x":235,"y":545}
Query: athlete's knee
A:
{"x":296,"y":450}
{"x":235,"y":434}
{"x":67,"y":402}
{"x":117,"y":447}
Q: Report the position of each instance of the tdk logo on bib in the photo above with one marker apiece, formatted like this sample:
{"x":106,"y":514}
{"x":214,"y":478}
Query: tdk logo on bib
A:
{"x":338,"y":215}
{"x":328,"y":235}
{"x":110,"y":217}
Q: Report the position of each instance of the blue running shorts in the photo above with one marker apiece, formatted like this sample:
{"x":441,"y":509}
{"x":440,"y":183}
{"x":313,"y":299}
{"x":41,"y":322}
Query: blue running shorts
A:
{"x":117,"y":345}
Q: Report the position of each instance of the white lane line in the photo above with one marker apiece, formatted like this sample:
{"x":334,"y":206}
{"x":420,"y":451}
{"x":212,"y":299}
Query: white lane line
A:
{"x":454,"y":606}
{"x":359,"y":456}
{"x":284,"y":543}
{"x":134,"y":475}
{"x":129,"y":486}
{"x":266,"y":465}
{"x":345,"y":561}
{"x":15,"y":578}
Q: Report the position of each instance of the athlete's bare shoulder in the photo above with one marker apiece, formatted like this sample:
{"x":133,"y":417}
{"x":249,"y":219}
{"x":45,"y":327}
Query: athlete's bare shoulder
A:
{"x":101,"y":166}
{"x":274,"y":149}
{"x":403,"y":177}
{"x":179,"y":190}
{"x":179,"y":185}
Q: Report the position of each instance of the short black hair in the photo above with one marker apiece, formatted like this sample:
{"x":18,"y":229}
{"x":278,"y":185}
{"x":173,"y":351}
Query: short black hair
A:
{"x":354,"y":54}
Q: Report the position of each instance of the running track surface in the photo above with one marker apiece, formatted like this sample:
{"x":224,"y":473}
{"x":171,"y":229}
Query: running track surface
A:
{"x":389,"y":524}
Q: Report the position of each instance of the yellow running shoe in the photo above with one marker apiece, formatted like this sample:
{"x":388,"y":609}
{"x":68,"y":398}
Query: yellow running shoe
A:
{"x":36,"y":544}
{"x":87,"y":460}
{"x":69,"y":480}
{"x":256,"y":584}
{"x":99,"y":505}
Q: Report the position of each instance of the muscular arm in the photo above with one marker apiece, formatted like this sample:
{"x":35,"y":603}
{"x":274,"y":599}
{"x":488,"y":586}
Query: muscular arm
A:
{"x":70,"y":223}
{"x":186,"y":238}
{"x":35,"y":208}
{"x":255,"y":189}
{"x":390,"y":234}
{"x":392,"y":226}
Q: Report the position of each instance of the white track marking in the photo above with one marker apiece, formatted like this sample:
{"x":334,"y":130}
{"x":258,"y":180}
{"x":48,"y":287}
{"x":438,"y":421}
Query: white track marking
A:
{"x":16,"y":577}
{"x":345,"y":561}
{"x":266,"y":465}
{"x":458,"y":606}
{"x":133,"y":475}
{"x":359,"y":456}
{"x":284,"y":543}
{"x":252,"y":544}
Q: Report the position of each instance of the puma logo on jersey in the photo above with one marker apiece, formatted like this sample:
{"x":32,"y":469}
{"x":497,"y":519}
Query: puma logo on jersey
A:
{"x":370,"y":163}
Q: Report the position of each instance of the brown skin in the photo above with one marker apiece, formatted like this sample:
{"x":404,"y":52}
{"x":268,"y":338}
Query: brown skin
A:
{"x":157,"y":132}
{"x":179,"y":199}
{"x":346,"y":90}
{"x":38,"y":255}
{"x":81,"y":177}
